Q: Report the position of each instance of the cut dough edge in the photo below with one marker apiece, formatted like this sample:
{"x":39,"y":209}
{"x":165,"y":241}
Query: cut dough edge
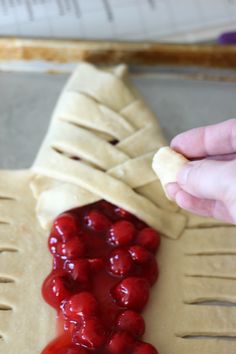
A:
{"x":167,"y":163}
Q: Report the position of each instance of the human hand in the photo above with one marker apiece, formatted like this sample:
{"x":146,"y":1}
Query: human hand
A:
{"x":207,"y":184}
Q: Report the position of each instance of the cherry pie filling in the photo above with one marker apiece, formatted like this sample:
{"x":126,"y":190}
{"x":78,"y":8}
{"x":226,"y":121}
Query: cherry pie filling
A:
{"x":103,"y":268}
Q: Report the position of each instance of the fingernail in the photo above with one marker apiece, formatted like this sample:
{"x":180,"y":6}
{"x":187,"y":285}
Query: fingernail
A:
{"x":184,"y":173}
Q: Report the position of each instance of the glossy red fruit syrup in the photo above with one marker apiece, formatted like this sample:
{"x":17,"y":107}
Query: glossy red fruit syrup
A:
{"x":103,"y":268}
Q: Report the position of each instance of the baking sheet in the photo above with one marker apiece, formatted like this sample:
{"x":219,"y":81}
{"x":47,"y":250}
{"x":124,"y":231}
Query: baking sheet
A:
{"x":49,"y":54}
{"x":180,"y":102}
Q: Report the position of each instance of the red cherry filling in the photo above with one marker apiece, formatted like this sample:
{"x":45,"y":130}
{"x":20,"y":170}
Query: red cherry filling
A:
{"x":79,"y":270}
{"x":56,"y":288}
{"x":72,"y":249}
{"x":80,"y":305}
{"x":149,"y":239}
{"x":120,"y":262}
{"x":65,"y":226}
{"x":145,"y":348}
{"x":139,"y":254}
{"x":70,"y":350}
{"x":121,"y":343}
{"x":121,"y":233}
{"x":122,"y":213}
{"x":96,"y":264}
{"x":131,"y":293}
{"x":90,"y":334}
{"x":132,"y":322}
{"x":60,"y":346}
{"x":103,"y":267}
{"x":97,"y":221}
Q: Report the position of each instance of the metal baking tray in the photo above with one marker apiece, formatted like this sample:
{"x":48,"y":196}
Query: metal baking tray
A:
{"x":186,"y":86}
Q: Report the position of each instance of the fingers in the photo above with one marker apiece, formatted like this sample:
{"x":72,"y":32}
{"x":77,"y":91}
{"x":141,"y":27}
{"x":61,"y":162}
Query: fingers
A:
{"x":214,"y":139}
{"x":188,"y":202}
{"x":224,"y":157}
{"x":208,"y":179}
{"x":198,"y":206}
{"x":204,"y":207}
{"x":172,"y":189}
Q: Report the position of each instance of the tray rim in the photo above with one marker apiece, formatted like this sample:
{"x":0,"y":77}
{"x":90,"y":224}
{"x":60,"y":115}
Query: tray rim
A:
{"x":113,"y":52}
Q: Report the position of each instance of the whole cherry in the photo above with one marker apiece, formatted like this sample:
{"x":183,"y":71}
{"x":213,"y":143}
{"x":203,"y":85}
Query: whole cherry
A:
{"x":79,"y":305}
{"x":97,"y":221}
{"x":139,"y":254}
{"x":73,"y":248}
{"x":55,"y":288}
{"x":150,"y":271}
{"x":132,"y":322}
{"x":120,"y":342}
{"x":79,"y":270}
{"x":91,"y":334}
{"x":131,"y":293}
{"x":120,"y":262}
{"x":66,"y":226}
{"x":149,"y":238}
{"x":121,"y":233}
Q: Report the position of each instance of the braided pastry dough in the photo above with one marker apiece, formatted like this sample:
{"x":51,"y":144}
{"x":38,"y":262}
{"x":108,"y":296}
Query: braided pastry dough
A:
{"x":118,"y":173}
{"x":100,"y":145}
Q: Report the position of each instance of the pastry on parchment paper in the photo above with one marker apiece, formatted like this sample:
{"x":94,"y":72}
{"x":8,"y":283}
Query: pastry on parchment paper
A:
{"x":98,"y":151}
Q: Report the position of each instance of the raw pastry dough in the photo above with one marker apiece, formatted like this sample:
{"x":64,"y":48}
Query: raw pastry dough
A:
{"x":26,"y":321}
{"x":77,"y":165}
{"x":119,"y":173}
{"x":167,"y":163}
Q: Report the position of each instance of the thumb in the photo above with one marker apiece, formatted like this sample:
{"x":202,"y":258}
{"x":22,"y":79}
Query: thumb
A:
{"x":207,"y":179}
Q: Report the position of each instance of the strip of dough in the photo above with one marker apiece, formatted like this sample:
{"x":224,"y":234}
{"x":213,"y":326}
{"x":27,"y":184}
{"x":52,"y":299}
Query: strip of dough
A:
{"x":167,"y":163}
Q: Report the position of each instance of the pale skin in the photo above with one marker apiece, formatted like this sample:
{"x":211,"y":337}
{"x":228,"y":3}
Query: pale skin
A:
{"x":207,"y":184}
